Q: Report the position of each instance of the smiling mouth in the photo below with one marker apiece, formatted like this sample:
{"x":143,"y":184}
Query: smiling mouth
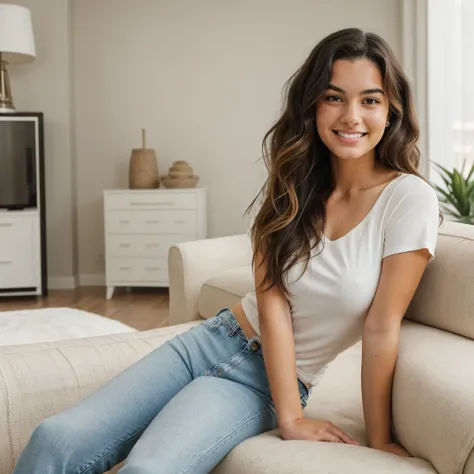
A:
{"x":349,"y":135}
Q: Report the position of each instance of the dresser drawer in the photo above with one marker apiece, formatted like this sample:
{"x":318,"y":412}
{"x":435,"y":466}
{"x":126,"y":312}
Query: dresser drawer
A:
{"x":152,"y":222}
{"x":137,"y":270}
{"x":17,"y":237}
{"x":151,"y":200}
{"x":19,"y":266}
{"x":143,"y":245}
{"x":17,"y":273}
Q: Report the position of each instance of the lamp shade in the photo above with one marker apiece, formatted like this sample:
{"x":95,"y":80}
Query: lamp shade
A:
{"x":17,"y":43}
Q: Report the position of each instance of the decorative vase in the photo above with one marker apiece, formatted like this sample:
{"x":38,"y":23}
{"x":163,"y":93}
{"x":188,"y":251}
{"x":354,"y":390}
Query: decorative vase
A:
{"x":180,"y":175}
{"x":143,"y":171}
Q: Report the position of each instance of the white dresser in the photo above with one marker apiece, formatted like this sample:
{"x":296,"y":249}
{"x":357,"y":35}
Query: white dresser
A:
{"x":140,"y":227}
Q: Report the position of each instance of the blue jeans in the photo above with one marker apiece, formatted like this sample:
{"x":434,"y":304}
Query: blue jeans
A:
{"x":180,"y":409}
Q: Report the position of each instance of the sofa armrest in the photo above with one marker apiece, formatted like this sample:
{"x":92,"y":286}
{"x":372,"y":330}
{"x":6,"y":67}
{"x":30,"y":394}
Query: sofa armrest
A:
{"x":433,"y":404}
{"x":40,"y":380}
{"x":190,"y":264}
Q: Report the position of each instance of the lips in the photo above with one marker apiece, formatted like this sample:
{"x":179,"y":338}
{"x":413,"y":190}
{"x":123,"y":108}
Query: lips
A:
{"x":350,"y":135}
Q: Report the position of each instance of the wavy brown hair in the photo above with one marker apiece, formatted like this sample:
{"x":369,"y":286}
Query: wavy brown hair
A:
{"x":291,"y":219}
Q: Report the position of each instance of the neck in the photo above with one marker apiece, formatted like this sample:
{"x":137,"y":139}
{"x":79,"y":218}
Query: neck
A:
{"x":350,"y":176}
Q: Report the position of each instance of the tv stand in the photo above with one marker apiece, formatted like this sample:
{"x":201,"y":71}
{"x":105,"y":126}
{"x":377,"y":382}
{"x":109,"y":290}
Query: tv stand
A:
{"x":20,"y":254}
{"x":23,"y":227}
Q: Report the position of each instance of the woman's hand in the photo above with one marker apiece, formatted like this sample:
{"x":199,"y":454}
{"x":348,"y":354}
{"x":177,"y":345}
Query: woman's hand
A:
{"x":315,"y":430}
{"x":394,"y":448}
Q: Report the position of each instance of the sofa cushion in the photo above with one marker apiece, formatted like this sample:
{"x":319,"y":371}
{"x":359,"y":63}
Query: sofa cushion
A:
{"x":447,"y":284}
{"x":225,"y":290}
{"x":268,"y":454}
{"x":337,"y":398}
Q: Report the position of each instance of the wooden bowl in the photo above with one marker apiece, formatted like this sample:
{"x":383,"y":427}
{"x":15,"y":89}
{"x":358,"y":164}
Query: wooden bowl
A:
{"x":170,"y":182}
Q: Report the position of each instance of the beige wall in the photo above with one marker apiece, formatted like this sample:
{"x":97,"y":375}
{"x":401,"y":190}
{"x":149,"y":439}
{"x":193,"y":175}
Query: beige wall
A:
{"x":45,"y":86}
{"x":204,"y":78}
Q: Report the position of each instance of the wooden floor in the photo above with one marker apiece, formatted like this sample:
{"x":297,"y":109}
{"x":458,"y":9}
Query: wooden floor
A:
{"x":141,"y":308}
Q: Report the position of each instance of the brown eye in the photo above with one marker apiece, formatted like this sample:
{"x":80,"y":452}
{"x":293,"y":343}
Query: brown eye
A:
{"x":371,"y":101}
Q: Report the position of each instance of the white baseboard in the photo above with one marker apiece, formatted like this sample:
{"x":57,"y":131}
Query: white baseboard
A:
{"x":67,"y":283}
{"x":62,"y":283}
{"x":92,"y":279}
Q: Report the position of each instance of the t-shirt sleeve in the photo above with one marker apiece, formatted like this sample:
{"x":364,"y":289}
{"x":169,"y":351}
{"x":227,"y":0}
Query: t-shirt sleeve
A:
{"x":413,"y":219}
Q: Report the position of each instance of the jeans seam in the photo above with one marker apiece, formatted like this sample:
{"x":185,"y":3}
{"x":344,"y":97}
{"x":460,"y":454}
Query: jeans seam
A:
{"x":215,"y":371}
{"x":100,"y":456}
{"x":233,"y":328}
{"x":230,"y":435}
{"x":212,"y":326}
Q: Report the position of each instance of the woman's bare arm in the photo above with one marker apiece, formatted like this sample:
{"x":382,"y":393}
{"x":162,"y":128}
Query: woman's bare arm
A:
{"x":401,"y":274}
{"x":276,"y":334}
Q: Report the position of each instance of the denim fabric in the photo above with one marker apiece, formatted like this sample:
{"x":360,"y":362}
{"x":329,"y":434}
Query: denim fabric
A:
{"x":180,"y":409}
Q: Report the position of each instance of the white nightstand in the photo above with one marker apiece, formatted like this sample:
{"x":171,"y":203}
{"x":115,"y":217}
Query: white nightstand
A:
{"x":140,"y":227}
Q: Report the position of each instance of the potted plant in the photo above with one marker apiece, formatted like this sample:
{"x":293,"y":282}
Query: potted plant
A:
{"x":457,"y":196}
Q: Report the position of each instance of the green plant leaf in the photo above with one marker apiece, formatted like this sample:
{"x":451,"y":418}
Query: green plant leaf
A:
{"x":457,"y":199}
{"x":463,"y":167}
{"x":448,"y":189}
{"x":448,"y":184}
{"x":450,"y":209}
{"x":460,"y":192}
{"x":450,"y":200}
{"x":470,"y":190}
{"x":457,"y":193}
{"x":445,"y":175}
{"x":471,"y":171}
{"x":444,"y":170}
{"x":440,"y":190}
{"x":467,"y":220}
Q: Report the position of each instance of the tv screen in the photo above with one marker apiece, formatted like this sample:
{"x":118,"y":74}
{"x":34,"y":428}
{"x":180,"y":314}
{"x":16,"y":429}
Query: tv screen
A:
{"x":18,"y":188}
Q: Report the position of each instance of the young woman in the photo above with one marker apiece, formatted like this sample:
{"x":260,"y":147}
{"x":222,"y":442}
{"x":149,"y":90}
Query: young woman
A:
{"x":345,"y":230}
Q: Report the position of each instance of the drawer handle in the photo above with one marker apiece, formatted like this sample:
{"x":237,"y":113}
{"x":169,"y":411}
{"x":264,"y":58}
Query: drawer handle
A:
{"x":6,"y":224}
{"x":170,"y":203}
{"x":152,"y":245}
{"x":124,"y":221}
{"x":153,"y":268}
{"x":5,"y":262}
{"x":125,"y":268}
{"x":179,"y":221}
{"x":124,"y":245}
{"x":151,"y":221}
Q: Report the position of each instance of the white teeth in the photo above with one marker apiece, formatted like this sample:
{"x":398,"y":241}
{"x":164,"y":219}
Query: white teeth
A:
{"x":350,"y":135}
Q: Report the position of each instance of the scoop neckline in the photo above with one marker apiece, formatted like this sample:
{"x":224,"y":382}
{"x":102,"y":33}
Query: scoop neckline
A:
{"x":389,"y":184}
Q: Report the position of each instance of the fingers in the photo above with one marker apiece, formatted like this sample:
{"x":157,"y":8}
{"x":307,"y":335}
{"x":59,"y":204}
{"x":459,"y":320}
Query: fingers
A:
{"x":342,"y":436}
{"x":330,"y":437}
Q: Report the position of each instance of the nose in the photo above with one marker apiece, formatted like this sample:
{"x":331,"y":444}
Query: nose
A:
{"x":351,"y":114}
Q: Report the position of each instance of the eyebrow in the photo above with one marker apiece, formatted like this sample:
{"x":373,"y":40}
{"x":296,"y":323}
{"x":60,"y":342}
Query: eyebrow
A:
{"x":367,"y":91}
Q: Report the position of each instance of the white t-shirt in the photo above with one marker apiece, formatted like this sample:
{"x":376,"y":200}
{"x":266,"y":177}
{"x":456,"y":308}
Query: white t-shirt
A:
{"x":333,"y":296}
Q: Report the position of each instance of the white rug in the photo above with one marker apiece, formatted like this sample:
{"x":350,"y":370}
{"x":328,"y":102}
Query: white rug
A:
{"x":54,"y":324}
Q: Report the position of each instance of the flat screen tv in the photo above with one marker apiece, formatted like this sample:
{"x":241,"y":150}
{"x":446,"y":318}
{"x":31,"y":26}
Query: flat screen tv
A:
{"x":18,"y":163}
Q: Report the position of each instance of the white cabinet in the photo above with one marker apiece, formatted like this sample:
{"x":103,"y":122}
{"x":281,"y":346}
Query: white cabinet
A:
{"x":20,"y":252}
{"x":141,"y":226}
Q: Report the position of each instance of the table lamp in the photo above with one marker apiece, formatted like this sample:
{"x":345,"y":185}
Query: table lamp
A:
{"x":17,"y":45}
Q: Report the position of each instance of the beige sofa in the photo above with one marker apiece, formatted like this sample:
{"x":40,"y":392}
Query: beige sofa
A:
{"x":433,"y":397}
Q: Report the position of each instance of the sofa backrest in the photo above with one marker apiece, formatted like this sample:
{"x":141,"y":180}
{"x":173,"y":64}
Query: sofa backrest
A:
{"x":445,"y":296}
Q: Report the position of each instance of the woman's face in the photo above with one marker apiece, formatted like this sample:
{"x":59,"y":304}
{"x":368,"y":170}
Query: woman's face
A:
{"x":352,"y":114}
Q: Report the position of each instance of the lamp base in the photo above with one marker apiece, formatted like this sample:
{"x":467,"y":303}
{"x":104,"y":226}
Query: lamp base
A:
{"x":6,"y":99}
